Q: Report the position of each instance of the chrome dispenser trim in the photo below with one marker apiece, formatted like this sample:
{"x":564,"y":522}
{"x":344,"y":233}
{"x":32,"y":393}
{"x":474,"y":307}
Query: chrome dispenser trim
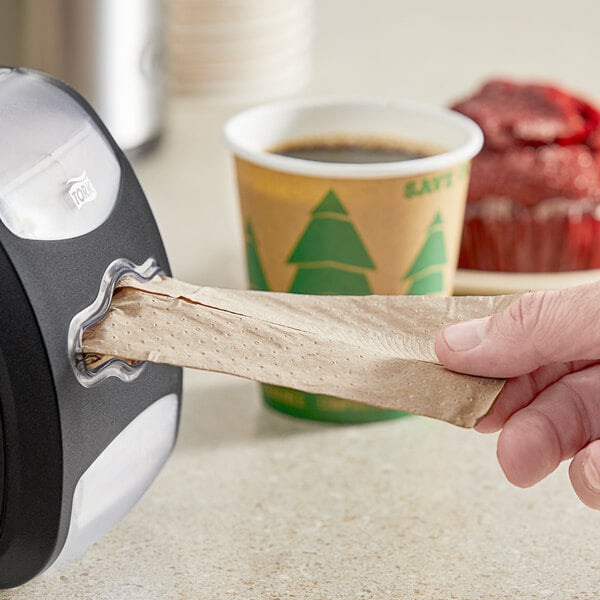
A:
{"x":95,"y":312}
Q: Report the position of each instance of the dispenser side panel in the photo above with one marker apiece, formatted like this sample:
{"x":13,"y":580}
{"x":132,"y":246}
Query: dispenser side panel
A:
{"x":32,"y":498}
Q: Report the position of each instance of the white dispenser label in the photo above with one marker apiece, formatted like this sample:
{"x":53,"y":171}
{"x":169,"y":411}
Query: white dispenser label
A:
{"x":59,"y":175}
{"x":120,"y":475}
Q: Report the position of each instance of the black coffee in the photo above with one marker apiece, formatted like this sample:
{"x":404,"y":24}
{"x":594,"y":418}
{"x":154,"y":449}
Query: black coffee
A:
{"x":350,"y":151}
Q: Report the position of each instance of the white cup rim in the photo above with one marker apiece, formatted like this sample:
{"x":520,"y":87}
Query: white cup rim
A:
{"x":247,"y":150}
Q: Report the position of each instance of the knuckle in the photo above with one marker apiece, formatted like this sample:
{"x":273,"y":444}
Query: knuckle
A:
{"x":528,"y":322}
{"x":524,"y":315}
{"x":582,"y":427}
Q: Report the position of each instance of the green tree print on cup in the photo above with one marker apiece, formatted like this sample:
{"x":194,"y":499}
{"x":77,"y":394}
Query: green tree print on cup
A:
{"x":256,"y":274}
{"x":330,"y":255}
{"x":427,"y":271}
{"x":331,"y":259}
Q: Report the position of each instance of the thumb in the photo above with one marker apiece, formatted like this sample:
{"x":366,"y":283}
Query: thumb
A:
{"x":537,"y":329}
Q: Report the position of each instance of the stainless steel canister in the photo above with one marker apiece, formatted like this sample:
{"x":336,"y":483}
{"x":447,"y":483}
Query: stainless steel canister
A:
{"x":111,"y":51}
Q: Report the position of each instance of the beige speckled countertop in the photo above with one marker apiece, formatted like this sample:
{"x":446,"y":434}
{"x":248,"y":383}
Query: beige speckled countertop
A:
{"x":254,"y":505}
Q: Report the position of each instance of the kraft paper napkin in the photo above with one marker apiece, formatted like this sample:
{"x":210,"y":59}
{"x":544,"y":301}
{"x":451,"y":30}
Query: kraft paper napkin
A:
{"x":377,"y":350}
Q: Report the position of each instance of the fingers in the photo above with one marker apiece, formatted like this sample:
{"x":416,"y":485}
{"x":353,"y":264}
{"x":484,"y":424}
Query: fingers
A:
{"x":536,"y":330}
{"x":563,"y":418}
{"x":584,"y":472}
{"x":520,"y":391}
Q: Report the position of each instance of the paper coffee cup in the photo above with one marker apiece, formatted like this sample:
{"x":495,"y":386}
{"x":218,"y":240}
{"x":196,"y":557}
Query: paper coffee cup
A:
{"x":339,"y":228}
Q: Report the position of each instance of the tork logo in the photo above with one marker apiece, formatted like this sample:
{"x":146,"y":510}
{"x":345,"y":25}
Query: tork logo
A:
{"x":81,"y":190}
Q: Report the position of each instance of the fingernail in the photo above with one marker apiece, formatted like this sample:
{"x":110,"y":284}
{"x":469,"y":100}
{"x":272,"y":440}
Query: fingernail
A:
{"x":590,"y":472}
{"x":466,"y":335}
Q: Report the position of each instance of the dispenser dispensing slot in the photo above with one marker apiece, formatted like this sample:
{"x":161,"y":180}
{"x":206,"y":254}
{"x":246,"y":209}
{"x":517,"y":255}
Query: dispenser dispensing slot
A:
{"x":95,"y":312}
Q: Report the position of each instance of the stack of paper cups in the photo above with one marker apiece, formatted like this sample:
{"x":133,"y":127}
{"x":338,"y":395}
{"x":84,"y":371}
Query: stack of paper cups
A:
{"x":240,"y":50}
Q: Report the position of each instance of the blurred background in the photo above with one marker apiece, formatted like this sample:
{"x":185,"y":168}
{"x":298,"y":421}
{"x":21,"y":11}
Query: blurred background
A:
{"x":166,"y":74}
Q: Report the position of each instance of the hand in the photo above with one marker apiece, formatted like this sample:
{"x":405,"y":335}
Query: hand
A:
{"x":548,"y":345}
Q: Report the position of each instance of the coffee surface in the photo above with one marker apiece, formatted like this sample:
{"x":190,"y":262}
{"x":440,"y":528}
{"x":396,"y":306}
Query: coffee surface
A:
{"x":353,"y":151}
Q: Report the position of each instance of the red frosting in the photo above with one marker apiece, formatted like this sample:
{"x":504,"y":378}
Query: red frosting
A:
{"x":540,"y":143}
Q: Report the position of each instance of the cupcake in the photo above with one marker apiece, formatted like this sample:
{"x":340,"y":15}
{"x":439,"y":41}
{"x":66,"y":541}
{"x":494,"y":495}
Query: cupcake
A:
{"x":534,"y":195}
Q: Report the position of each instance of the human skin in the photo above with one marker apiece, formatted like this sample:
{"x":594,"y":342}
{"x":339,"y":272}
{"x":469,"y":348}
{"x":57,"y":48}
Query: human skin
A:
{"x":548,"y":346}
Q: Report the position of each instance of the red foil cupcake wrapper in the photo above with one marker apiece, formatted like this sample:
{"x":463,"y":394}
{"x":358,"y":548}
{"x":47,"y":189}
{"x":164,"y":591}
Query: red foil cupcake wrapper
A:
{"x":555,"y":235}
